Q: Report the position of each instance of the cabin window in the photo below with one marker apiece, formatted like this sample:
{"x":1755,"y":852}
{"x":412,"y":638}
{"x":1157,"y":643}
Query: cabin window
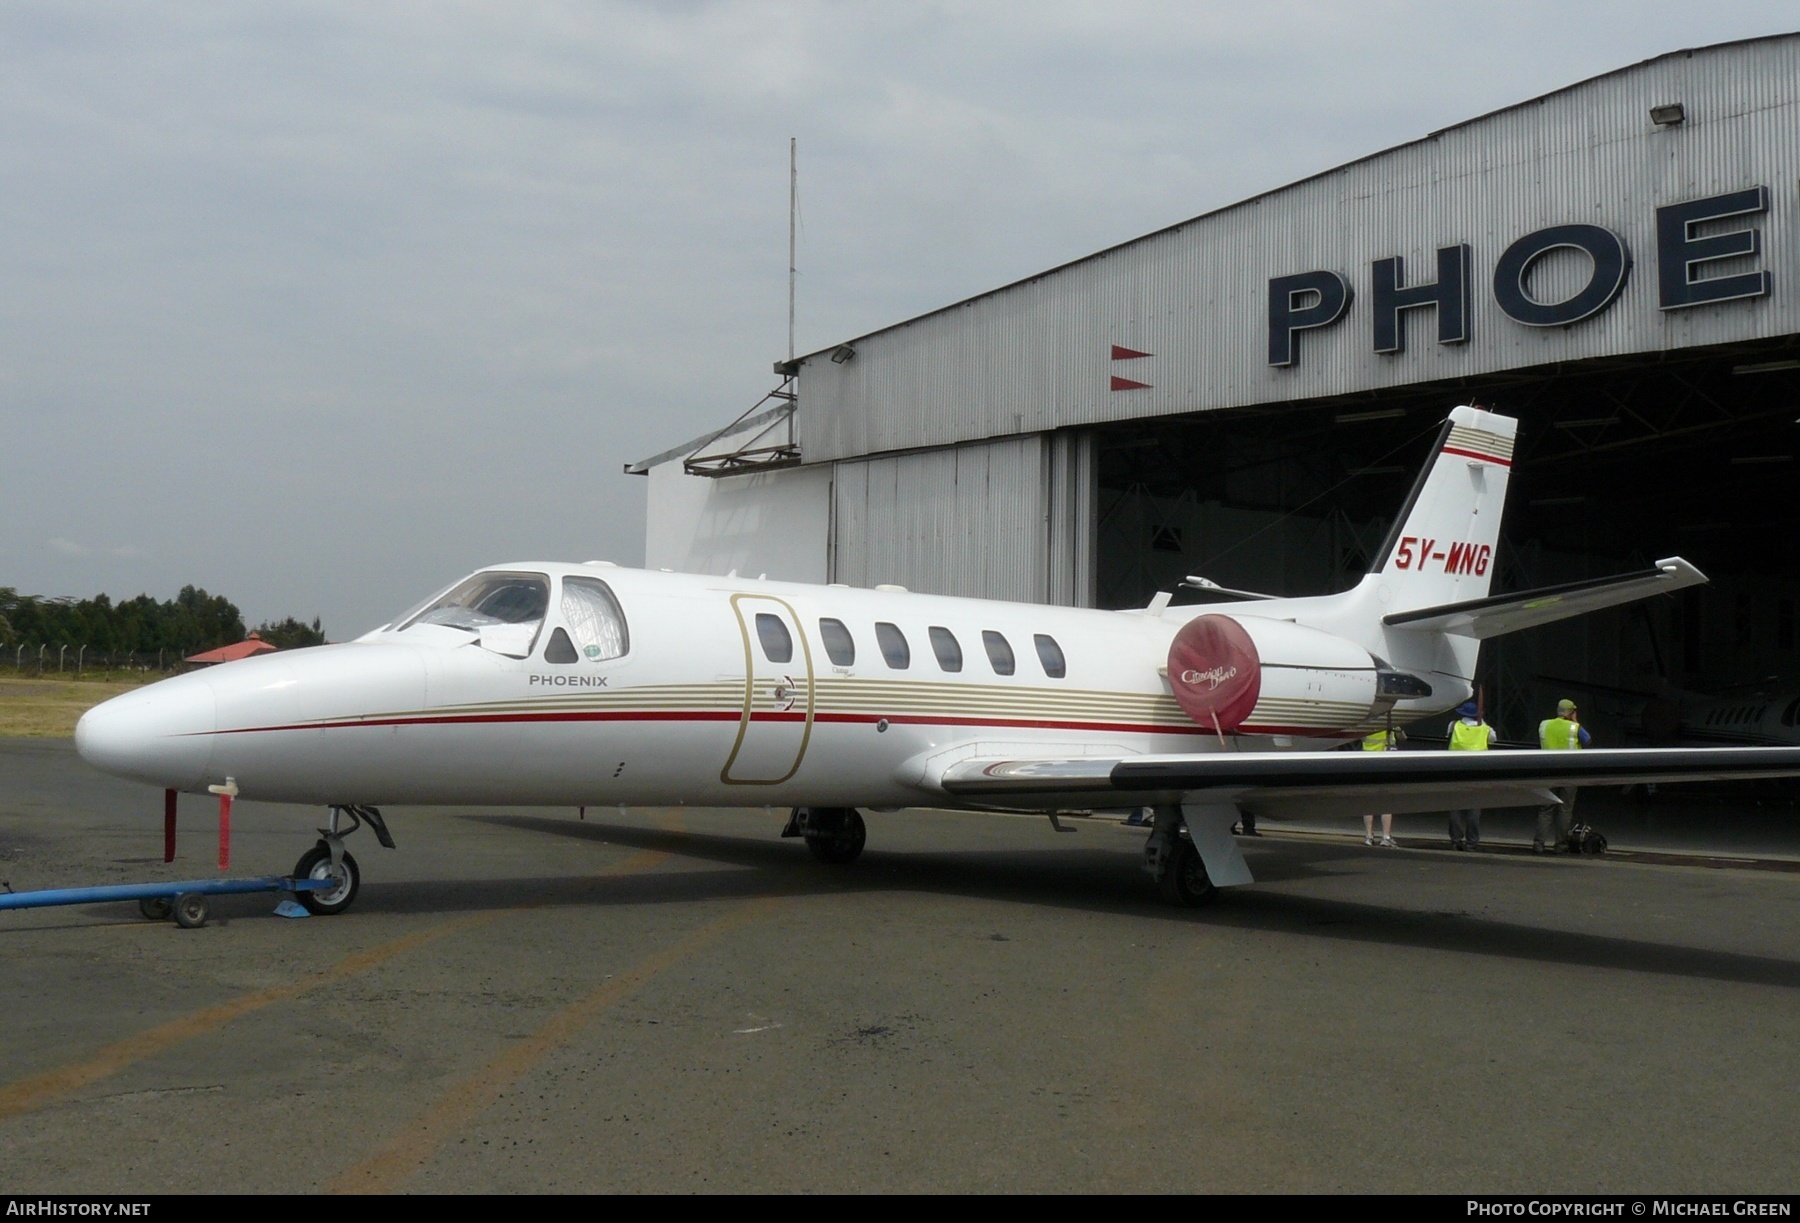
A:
{"x":1051,"y":655}
{"x":777,"y":642}
{"x":596,"y":625}
{"x":840,"y":647}
{"x":560,"y":649}
{"x":999,"y":652}
{"x":946,"y":647}
{"x":893,"y":645}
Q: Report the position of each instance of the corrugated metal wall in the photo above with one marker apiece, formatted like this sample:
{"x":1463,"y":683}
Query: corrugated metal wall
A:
{"x":1074,"y":491}
{"x":1035,"y":357}
{"x":1011,"y":519}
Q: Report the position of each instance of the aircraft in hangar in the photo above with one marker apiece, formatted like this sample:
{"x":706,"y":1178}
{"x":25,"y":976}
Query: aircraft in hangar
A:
{"x":590,"y":684}
{"x":1766,"y":714}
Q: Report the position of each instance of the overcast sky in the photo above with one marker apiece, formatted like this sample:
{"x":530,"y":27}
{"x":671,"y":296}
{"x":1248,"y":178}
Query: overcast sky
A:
{"x":319,"y":305}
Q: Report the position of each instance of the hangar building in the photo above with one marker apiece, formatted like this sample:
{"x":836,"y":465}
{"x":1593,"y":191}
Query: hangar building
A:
{"x":1246,"y":395}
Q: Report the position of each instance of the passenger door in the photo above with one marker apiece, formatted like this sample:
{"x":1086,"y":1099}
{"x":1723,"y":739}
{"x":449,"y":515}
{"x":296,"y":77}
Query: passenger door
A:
{"x":778,"y":693}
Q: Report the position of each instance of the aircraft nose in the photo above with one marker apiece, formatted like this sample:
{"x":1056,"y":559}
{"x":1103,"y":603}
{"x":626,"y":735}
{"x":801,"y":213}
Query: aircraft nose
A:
{"x":162,"y":733}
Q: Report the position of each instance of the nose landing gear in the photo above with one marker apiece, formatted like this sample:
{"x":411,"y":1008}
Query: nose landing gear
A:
{"x":320,"y":862}
{"x":329,"y":860}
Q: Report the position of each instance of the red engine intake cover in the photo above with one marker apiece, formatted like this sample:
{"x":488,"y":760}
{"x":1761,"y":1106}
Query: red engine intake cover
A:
{"x":1215,"y":672}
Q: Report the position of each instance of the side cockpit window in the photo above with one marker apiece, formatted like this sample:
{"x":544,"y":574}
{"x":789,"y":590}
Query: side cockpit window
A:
{"x":561,"y":649}
{"x":1051,"y":655}
{"x":597,"y":629}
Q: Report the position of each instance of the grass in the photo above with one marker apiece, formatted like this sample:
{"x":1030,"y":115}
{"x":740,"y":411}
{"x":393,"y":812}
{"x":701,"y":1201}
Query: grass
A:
{"x":47,"y":707}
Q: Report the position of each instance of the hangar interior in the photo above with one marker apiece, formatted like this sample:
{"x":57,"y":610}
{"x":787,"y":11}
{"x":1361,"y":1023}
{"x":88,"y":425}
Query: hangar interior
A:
{"x":1620,"y":462}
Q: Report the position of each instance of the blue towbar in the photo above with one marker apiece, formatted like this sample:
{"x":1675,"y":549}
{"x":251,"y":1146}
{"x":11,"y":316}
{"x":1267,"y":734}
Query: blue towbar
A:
{"x":152,"y":891}
{"x":184,"y":900}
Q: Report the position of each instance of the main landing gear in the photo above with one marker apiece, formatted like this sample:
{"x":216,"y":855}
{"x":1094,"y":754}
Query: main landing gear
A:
{"x":329,"y":860}
{"x":1171,"y":859}
{"x":834,"y":835}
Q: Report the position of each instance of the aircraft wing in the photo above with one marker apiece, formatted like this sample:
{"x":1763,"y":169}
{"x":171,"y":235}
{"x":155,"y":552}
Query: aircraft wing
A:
{"x":1279,"y":784}
{"x":1499,"y":614}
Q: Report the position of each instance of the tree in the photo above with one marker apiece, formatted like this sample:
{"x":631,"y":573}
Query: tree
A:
{"x":291,"y":634}
{"x":190,"y":622}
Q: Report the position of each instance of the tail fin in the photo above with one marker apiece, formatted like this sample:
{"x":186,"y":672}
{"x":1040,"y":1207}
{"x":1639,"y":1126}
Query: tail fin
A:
{"x":1441,"y":548}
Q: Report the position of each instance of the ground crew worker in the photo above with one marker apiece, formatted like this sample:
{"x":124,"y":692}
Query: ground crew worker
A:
{"x":1381,"y":741}
{"x":1563,"y":733}
{"x":1468,"y":734}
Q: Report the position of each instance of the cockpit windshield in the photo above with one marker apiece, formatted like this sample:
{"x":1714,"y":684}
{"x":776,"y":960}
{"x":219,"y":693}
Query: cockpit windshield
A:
{"x":489,"y":599}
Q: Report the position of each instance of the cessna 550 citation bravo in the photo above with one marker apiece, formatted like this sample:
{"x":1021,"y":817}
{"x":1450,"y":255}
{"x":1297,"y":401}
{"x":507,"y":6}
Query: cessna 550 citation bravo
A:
{"x":588,"y":685}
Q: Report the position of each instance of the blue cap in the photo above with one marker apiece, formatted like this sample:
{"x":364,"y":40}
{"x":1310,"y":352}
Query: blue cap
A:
{"x":1468,"y":709}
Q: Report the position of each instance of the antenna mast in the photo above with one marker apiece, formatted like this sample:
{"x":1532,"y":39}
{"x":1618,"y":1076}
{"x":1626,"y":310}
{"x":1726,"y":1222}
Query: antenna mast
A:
{"x":793,"y":209}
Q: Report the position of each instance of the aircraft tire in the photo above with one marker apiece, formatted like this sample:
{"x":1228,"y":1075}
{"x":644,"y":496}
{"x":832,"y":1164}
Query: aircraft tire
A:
{"x":156,"y":908}
{"x":190,"y":910}
{"x":844,"y":844}
{"x":315,"y":863}
{"x":1185,"y":882}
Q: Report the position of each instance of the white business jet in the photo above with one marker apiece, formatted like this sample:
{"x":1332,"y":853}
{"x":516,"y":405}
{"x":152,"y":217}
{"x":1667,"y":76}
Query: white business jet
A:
{"x":586,"y":685}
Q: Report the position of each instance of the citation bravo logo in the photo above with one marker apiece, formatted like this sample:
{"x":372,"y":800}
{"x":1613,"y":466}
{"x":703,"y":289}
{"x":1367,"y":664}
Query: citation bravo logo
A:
{"x":1214,"y":676}
{"x":1656,"y":1208}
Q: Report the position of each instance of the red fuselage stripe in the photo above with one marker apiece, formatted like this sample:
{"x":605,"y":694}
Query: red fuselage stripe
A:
{"x":721,"y":715}
{"x":1471,"y":454}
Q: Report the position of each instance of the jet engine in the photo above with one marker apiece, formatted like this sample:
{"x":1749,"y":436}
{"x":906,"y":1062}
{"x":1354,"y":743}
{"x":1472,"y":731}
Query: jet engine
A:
{"x":1250,"y":675}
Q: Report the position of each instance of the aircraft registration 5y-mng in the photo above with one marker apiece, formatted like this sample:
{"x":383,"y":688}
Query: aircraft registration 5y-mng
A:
{"x":589,"y":684}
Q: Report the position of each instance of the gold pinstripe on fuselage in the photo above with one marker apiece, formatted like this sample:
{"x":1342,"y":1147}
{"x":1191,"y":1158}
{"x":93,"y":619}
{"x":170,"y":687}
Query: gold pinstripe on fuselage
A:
{"x":860,"y":697}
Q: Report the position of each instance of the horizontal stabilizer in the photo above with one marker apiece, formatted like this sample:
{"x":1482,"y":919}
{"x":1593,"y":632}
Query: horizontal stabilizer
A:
{"x":1500,"y":614}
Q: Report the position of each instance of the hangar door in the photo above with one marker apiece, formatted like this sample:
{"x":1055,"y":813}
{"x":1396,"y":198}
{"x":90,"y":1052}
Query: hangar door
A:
{"x":1005,"y":519}
{"x":1619,"y":462}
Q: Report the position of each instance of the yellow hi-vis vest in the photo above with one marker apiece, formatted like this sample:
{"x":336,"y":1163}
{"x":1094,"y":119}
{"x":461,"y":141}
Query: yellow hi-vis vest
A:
{"x":1559,"y":734}
{"x":1380,"y":741}
{"x":1466,"y":738}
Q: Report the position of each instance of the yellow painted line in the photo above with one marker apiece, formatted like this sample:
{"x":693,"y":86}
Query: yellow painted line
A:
{"x":407,"y":1154}
{"x":41,"y":1089}
{"x":29,"y":1094}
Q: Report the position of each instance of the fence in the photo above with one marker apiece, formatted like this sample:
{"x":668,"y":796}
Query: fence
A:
{"x":56,"y":657}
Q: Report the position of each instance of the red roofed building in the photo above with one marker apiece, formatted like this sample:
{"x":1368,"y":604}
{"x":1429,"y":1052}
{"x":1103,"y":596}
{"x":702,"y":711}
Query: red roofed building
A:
{"x":253,"y":644}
